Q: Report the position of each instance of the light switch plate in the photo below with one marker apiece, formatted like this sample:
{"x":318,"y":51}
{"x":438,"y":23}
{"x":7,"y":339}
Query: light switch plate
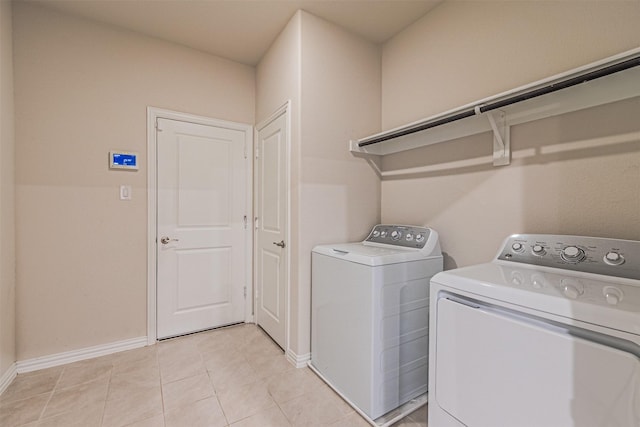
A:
{"x":125,"y":192}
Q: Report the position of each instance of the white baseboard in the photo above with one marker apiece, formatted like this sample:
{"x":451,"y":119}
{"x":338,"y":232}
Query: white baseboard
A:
{"x":298,"y":361}
{"x":7,"y":377}
{"x":58,"y":359}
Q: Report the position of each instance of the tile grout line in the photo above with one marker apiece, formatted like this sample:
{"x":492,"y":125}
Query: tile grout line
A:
{"x":215,"y":393}
{"x":157,"y":353}
{"x":104,"y":405}
{"x":280,"y":408}
{"x":55,"y":386}
{"x":244,"y":358}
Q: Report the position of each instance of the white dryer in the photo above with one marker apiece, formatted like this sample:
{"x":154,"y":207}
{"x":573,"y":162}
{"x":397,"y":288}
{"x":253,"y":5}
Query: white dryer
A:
{"x":547,"y":334}
{"x":370,"y":313}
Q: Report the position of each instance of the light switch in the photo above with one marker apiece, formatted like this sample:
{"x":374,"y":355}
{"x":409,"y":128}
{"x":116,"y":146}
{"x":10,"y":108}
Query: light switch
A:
{"x":125,"y":192}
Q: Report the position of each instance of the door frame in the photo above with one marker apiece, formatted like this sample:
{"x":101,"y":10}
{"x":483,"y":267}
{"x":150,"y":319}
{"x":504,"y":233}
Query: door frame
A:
{"x":153,"y":114}
{"x":285,"y":110}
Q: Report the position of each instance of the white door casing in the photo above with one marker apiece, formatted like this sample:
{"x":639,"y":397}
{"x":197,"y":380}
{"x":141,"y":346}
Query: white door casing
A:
{"x":200,"y":183}
{"x":272,"y":226}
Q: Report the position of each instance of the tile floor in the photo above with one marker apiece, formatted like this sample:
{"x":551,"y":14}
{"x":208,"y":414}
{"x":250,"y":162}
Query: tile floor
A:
{"x":233,"y":376}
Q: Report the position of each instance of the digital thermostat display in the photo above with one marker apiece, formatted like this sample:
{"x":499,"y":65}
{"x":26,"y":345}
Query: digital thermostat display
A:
{"x":123,"y":160}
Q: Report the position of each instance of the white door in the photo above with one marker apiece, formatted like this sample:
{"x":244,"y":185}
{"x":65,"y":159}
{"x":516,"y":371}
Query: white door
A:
{"x":201,"y":209}
{"x":271,"y":203}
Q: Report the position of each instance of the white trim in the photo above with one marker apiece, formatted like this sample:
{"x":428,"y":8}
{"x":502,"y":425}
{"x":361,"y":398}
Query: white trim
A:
{"x":7,"y":378}
{"x":301,"y":361}
{"x":153,"y":114}
{"x":286,"y":110}
{"x":58,"y":359}
{"x":248,"y":274}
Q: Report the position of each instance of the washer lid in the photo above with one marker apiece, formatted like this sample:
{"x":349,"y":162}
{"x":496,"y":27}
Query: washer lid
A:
{"x":590,"y":298}
{"x":371,"y":255}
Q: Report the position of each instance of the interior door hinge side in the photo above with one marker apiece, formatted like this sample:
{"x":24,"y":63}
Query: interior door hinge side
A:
{"x":158,"y":126}
{"x":257,"y":153}
{"x":244,"y":220}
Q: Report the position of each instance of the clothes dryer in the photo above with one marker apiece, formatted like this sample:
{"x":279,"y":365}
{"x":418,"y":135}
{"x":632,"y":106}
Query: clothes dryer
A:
{"x":547,"y":334}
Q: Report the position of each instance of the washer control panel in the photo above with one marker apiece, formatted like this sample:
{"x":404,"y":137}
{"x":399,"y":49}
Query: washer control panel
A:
{"x":407,"y":236}
{"x":610,"y":257}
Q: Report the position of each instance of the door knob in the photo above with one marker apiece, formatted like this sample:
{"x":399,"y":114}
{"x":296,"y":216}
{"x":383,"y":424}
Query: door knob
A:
{"x":166,"y":240}
{"x":280,"y":243}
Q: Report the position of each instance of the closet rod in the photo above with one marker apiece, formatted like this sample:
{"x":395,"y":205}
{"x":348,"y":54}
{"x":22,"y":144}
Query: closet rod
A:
{"x":483,"y":108}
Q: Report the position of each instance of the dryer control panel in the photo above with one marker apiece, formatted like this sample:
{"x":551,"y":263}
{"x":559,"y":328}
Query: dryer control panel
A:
{"x":407,"y":236}
{"x":609,"y":257}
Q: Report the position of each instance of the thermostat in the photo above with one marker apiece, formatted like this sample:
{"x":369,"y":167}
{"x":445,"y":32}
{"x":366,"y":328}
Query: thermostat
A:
{"x":123,"y":160}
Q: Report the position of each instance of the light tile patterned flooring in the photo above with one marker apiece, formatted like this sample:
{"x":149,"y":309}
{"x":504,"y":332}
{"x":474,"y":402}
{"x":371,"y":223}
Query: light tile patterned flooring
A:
{"x":233,"y":376}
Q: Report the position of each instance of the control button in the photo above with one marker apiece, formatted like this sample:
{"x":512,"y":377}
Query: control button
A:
{"x":612,"y":295}
{"x":419,"y":238}
{"x":409,"y":237}
{"x":572,"y":288}
{"x":571,"y":291}
{"x":537,"y":281}
{"x":538,"y":250}
{"x":613,"y":258}
{"x":517,"y":278}
{"x":572,"y":254}
{"x":376,"y":233}
{"x":383,"y":233}
{"x":395,"y":235}
{"x":517,"y":247}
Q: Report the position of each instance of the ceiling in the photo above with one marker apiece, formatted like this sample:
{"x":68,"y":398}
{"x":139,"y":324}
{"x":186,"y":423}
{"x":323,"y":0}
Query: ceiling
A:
{"x":242,"y":30}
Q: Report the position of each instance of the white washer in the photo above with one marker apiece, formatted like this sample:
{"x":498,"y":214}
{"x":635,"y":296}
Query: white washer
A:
{"x":547,"y":334}
{"x":370,"y":313}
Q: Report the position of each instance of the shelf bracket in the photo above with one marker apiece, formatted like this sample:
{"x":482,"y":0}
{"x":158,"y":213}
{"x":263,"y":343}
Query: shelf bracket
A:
{"x":501,"y":137}
{"x":359,"y":152}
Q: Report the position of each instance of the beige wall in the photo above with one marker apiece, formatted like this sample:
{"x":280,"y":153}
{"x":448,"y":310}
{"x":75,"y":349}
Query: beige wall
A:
{"x":333,"y":80}
{"x":82,"y":89}
{"x":463,"y":51}
{"x":339,"y":193}
{"x":573,"y":174}
{"x":7,"y":206}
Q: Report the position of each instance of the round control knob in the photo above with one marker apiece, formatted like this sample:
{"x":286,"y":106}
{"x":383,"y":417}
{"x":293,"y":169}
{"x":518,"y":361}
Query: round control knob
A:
{"x":612,"y":295}
{"x":572,"y":254}
{"x":383,"y":234}
{"x":376,"y":233}
{"x":419,"y":237}
{"x":517,"y":247}
{"x":409,"y":237}
{"x":538,"y":250}
{"x":395,"y":235}
{"x":613,"y":258}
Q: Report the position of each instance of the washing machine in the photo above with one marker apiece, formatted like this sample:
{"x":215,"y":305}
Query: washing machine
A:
{"x":369,"y":324}
{"x":546,"y":334}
